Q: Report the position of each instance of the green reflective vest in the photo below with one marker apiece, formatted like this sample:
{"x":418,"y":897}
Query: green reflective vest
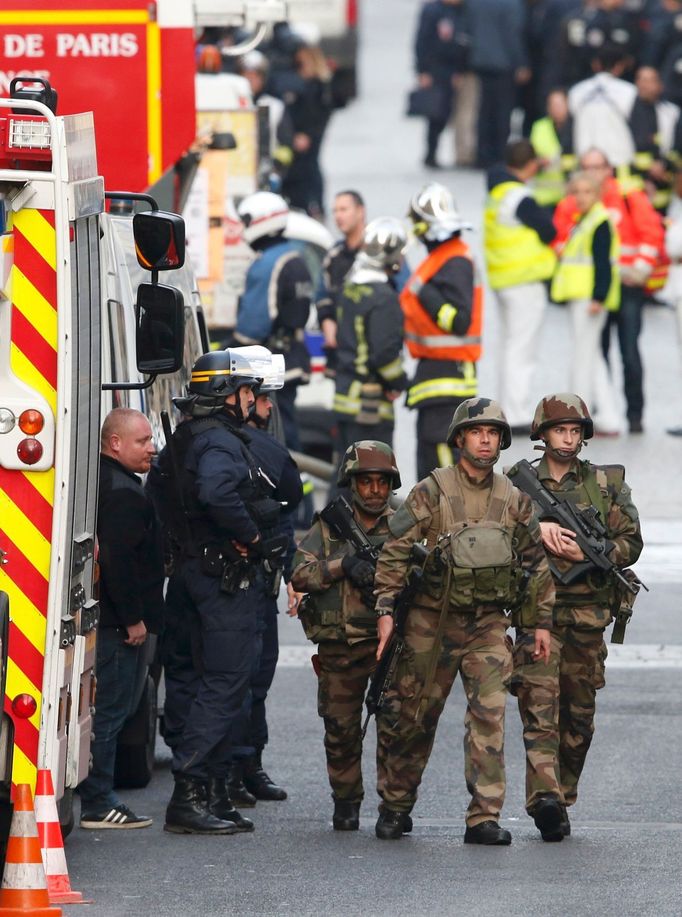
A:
{"x":574,"y":276}
{"x":514,"y":253}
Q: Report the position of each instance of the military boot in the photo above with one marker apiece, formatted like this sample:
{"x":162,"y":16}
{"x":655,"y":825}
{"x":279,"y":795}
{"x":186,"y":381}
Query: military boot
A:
{"x":346,"y":815}
{"x":235,"y":787}
{"x":258,"y":783}
{"x":564,"y":824}
{"x":391,"y":826}
{"x":489,"y":833}
{"x":220,"y":805}
{"x":188,"y":811}
{"x":547,"y":815}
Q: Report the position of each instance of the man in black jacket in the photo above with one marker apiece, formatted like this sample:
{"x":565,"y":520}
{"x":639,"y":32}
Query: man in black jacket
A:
{"x":131,"y":603}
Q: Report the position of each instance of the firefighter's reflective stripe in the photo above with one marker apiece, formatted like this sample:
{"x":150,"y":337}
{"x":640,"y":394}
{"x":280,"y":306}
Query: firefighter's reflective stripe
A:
{"x":346,"y":404}
{"x":27,"y":498}
{"x":441,"y":388}
{"x":392,"y":370}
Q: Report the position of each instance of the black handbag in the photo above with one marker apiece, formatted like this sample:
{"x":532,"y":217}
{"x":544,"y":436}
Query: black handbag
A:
{"x":430,"y":102}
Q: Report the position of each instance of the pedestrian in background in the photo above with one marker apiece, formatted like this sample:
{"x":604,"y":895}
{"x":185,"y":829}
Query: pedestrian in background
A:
{"x":131,"y":604}
{"x":552,"y":139}
{"x":641,"y":237}
{"x":498,"y":57}
{"x":517,"y":234}
{"x":441,"y":57}
{"x":587,"y":280}
{"x":309,"y":106}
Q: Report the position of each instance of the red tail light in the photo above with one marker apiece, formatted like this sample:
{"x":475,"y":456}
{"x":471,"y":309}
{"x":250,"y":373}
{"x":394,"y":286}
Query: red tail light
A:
{"x":352,"y":13}
{"x":24,"y":706}
{"x":30,"y":451}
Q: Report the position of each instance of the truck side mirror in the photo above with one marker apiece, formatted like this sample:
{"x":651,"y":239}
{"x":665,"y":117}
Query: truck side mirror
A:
{"x":160,"y":339}
{"x":159,"y":240}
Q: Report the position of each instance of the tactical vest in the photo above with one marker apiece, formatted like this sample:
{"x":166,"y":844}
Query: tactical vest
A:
{"x":475,"y":561}
{"x":258,"y":303}
{"x":592,"y":490}
{"x":574,"y":276}
{"x":423,"y":337}
{"x":337,"y":613}
{"x":514,"y":253}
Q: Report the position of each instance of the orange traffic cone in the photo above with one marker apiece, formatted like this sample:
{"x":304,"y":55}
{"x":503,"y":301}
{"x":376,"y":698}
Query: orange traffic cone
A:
{"x":24,"y":889}
{"x":52,"y":843}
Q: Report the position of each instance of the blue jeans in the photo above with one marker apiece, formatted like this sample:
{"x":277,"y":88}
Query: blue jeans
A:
{"x":117,"y":666}
{"x":628,"y":321}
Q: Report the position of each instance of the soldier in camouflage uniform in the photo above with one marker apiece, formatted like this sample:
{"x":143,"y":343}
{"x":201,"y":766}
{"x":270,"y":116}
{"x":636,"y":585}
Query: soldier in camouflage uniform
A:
{"x":557,"y":698}
{"x":486,"y":557}
{"x":338,"y":614}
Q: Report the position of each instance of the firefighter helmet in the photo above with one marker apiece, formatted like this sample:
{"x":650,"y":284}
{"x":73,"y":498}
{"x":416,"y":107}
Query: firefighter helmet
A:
{"x":477,"y":411}
{"x":383,"y":243}
{"x":562,"y":408}
{"x":366,"y":457}
{"x":263,"y":214}
{"x":434,"y":213}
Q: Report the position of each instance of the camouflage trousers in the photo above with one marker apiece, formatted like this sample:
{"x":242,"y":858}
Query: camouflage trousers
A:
{"x":345,"y":671}
{"x":557,"y":706}
{"x":476,"y":646}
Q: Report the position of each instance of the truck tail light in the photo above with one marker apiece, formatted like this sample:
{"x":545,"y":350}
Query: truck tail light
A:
{"x":30,"y":451}
{"x":352,"y":13}
{"x":24,"y":706}
{"x":31,"y":422}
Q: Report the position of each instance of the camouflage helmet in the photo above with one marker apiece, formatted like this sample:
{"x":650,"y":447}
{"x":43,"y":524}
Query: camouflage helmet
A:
{"x":365,"y":457}
{"x":562,"y":408}
{"x":476,"y":411}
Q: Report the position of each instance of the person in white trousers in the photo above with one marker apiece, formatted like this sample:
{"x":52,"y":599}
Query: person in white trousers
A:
{"x":587,"y":279}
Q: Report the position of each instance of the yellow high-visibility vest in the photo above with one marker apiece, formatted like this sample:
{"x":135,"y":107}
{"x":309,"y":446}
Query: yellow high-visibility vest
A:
{"x":574,"y":276}
{"x":514,"y":253}
{"x":549,"y":185}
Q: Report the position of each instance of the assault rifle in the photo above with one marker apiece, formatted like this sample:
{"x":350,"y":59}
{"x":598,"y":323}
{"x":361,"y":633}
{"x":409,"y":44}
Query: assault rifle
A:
{"x":339,"y":517}
{"x":591,"y":538}
{"x":386,"y":667}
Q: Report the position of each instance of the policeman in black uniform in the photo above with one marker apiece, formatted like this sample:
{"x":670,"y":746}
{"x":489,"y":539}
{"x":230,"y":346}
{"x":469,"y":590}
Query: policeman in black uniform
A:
{"x":248,"y":780}
{"x":226,"y":508}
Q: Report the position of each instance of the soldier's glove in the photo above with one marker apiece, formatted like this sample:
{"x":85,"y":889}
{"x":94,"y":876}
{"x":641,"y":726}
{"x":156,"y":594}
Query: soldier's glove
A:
{"x":359,"y":572}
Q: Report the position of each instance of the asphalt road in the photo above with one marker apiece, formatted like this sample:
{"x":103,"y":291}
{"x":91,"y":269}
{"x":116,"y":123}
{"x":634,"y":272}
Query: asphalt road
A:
{"x":625,"y":852}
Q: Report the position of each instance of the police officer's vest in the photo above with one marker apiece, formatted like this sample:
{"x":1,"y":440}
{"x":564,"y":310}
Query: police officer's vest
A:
{"x":514,"y":253}
{"x":549,"y":185}
{"x":335,"y":614}
{"x":475,"y":561}
{"x":258,"y":303}
{"x":574,"y":275}
{"x":423,"y":336}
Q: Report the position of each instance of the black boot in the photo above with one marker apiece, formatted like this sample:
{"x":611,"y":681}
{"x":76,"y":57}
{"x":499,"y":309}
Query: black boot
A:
{"x":564,"y":824}
{"x":346,"y":815}
{"x":188,"y":811}
{"x":391,"y":826}
{"x":220,"y":805}
{"x":258,"y":783}
{"x":489,"y":833}
{"x":235,"y":787}
{"x":547,"y":816}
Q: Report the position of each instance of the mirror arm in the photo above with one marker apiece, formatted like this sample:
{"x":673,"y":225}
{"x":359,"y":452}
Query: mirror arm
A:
{"x":131,"y":196}
{"x":128,"y":386}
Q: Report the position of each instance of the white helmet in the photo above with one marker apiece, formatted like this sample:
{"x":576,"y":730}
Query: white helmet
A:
{"x":268,"y":366}
{"x":383,"y":242}
{"x":254,"y":60}
{"x":434,"y":213}
{"x":263,"y":214}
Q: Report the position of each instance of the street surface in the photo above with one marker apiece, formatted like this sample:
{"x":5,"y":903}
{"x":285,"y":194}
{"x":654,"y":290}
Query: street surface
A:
{"x":625,"y":852}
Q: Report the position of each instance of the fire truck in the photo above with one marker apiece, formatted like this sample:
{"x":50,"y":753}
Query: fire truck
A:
{"x":81,"y":328}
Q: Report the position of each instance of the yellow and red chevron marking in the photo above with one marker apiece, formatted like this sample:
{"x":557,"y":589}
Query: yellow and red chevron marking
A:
{"x":27,"y":498}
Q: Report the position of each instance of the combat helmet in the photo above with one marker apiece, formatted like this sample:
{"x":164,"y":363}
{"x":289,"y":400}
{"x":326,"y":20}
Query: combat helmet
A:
{"x":476,"y":411}
{"x":564,"y":407}
{"x":434,"y":213}
{"x":214,"y":376}
{"x":365,"y":457}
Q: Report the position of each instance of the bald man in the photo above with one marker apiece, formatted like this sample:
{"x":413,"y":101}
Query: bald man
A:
{"x":131,"y":603}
